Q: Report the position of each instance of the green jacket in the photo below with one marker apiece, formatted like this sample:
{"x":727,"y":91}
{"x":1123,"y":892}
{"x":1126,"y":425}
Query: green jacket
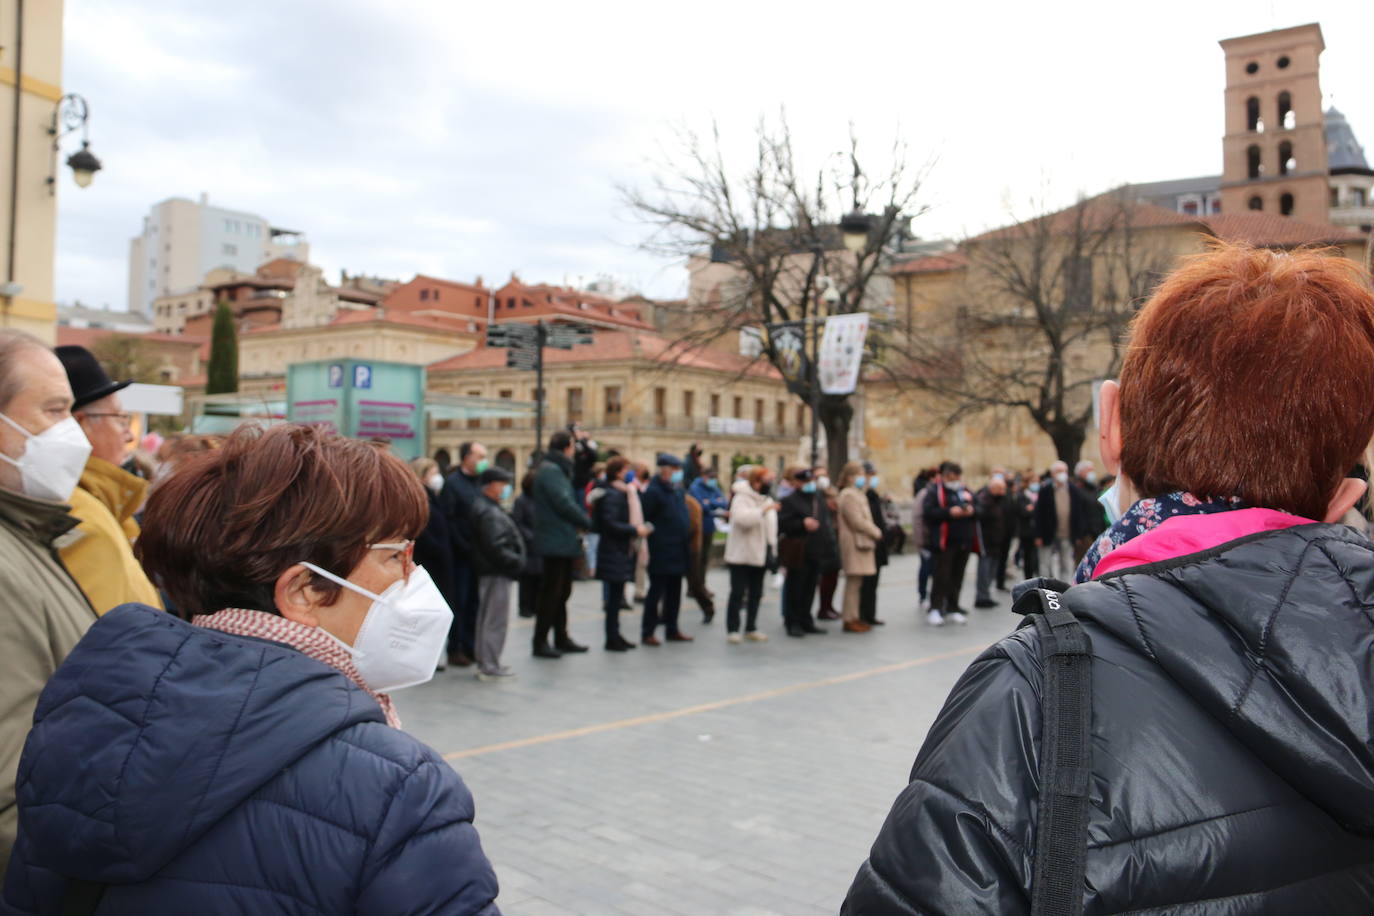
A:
{"x":42,"y":616}
{"x":558,"y":516}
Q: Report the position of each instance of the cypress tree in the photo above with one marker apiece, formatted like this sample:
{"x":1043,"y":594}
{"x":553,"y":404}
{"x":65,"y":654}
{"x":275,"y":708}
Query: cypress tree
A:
{"x":222,"y":373}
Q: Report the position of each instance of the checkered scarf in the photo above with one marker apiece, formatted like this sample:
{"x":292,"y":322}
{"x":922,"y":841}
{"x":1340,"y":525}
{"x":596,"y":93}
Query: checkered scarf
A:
{"x":310,"y":641}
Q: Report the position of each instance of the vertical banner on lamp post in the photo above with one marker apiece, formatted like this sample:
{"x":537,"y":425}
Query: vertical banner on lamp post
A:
{"x":789,"y":343}
{"x":842,"y":352}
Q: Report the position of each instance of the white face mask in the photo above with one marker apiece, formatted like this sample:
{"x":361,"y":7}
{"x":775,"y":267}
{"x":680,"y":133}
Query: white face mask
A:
{"x":403,"y":633}
{"x":52,"y":461}
{"x":1061,"y":478}
{"x":1111,"y":501}
{"x":436,"y":482}
{"x":823,"y":483}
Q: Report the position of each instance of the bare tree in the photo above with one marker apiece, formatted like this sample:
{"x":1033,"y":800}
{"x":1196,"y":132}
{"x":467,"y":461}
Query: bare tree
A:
{"x":770,"y":238}
{"x":126,"y":356}
{"x":1042,"y":312}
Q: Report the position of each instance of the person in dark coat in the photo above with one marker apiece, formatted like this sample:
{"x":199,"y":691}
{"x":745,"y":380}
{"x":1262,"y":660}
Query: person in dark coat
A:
{"x":250,"y":759}
{"x":952,"y":533}
{"x":434,"y":546}
{"x":1230,"y":767}
{"x":498,"y":559}
{"x":996,"y":514}
{"x":615,"y":554}
{"x":666,"y":512}
{"x":558,"y":523}
{"x":1023,"y":504}
{"x":806,"y":546}
{"x":523,"y":513}
{"x":459,"y":490}
{"x":868,"y":595}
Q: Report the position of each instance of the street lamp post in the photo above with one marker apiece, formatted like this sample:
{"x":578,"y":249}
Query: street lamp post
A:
{"x":72,"y":114}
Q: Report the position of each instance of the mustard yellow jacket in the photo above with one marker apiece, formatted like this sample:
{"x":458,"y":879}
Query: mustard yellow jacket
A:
{"x":102,"y":560}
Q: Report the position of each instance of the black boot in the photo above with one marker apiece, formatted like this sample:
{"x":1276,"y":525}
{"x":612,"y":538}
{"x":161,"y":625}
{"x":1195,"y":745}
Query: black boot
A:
{"x":565,"y":645}
{"x":544,"y":650}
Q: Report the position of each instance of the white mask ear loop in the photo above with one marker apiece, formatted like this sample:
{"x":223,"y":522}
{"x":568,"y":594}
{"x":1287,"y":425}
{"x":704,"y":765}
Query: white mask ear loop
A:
{"x":341,"y":581}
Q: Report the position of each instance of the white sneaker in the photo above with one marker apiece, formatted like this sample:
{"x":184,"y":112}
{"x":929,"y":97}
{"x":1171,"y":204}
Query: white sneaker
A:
{"x":499,"y":674}
{"x":734,"y":638}
{"x":756,"y":636}
{"x":935,"y":619}
{"x":958,"y":618}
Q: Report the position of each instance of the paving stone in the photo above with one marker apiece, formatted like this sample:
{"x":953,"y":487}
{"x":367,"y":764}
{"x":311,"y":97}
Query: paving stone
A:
{"x":763,"y":802}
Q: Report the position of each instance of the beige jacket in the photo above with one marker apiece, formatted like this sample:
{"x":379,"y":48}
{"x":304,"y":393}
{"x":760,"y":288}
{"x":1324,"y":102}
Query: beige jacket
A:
{"x":753,"y":528}
{"x":858,"y":534}
{"x":42,"y":616}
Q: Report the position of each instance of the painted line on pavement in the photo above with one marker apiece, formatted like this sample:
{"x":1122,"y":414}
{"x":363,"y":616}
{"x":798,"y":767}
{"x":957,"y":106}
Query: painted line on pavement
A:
{"x":711,"y":707}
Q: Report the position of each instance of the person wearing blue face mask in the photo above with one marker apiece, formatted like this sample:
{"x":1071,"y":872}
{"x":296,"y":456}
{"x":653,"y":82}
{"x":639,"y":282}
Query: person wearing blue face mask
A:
{"x":706,"y":490}
{"x":669,"y":552}
{"x":806,"y":547}
{"x":498,"y":558}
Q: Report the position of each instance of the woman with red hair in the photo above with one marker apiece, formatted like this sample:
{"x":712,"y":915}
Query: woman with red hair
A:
{"x":1230,"y":741}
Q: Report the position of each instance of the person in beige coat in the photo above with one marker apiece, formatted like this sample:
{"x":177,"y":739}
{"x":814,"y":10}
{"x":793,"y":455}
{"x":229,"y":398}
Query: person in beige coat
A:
{"x":753,"y":537}
{"x":858,"y":537}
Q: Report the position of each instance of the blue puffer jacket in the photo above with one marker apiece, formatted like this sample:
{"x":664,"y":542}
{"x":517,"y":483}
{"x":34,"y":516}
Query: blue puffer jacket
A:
{"x":194,"y":772}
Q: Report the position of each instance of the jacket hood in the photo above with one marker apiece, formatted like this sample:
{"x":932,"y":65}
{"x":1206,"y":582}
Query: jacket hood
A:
{"x":1273,"y":635}
{"x":153,"y":729}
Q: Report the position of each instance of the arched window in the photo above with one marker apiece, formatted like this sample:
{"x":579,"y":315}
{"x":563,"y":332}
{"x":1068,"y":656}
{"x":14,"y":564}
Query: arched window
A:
{"x":1256,"y":203}
{"x":1252,"y":114}
{"x":1286,"y":117}
{"x":1286,"y":204}
{"x":1253,"y":167}
{"x":1286,"y":161}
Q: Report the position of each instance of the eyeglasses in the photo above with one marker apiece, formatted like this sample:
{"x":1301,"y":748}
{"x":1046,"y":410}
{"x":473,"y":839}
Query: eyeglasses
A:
{"x":405,"y":548}
{"x":124,"y":418}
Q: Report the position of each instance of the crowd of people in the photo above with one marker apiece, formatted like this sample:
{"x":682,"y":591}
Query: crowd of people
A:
{"x":1050,"y":515}
{"x":200,"y":648}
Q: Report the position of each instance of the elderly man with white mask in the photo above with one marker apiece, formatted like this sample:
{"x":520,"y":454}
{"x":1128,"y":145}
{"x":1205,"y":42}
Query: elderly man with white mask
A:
{"x":42,"y":611}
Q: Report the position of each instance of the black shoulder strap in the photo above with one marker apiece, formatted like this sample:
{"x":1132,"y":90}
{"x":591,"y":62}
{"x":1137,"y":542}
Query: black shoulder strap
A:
{"x":1061,"y":841}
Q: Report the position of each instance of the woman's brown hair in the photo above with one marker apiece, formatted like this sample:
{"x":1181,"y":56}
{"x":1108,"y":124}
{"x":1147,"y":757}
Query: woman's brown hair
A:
{"x":221,"y":529}
{"x":1250,"y":373}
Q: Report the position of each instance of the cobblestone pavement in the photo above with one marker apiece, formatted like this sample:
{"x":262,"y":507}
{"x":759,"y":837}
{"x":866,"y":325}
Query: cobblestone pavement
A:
{"x":702,"y":778}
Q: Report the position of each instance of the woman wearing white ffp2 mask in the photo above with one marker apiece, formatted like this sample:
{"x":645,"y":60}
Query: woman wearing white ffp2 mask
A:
{"x":263,"y":719}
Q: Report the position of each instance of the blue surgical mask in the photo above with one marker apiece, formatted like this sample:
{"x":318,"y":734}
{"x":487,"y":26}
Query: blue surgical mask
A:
{"x":713,"y":483}
{"x":630,"y":476}
{"x":873,"y":481}
{"x":677,"y":476}
{"x":506,"y":491}
{"x":1111,"y":501}
{"x":861,"y":481}
{"x":809,"y":487}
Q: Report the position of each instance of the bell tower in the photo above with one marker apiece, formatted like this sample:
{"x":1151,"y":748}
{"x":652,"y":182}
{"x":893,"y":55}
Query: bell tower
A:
{"x":1274,"y":150}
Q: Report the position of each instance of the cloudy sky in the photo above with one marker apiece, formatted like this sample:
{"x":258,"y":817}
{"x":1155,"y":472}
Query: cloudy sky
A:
{"x":463,"y":139}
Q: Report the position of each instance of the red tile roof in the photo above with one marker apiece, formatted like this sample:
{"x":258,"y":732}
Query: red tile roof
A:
{"x":621,"y":346}
{"x":1270,"y":230}
{"x":934,"y":263}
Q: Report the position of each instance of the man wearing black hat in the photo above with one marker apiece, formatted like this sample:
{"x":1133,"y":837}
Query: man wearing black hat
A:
{"x":107,"y":496}
{"x":498,"y":557}
{"x":665,"y":508}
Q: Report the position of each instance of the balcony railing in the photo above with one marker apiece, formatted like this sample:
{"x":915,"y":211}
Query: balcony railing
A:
{"x":609,"y":424}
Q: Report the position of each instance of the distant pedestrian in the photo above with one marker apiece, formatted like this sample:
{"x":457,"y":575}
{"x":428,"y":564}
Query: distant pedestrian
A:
{"x":997,"y":518}
{"x":589,"y":540}
{"x":456,"y":498}
{"x":952,"y":529}
{"x":265,"y":769}
{"x":497,"y":561}
{"x":806,"y":545}
{"x":523,"y":514}
{"x":868,"y":597}
{"x":1063,"y":519}
{"x":1027,"y":490}
{"x":829,"y":575}
{"x":434,"y":545}
{"x":638,"y":479}
{"x":666,"y":511}
{"x":919,"y":537}
{"x":101,"y":559}
{"x":559,"y":522}
{"x":692,"y":467}
{"x":696,"y":582}
{"x":714,"y":505}
{"x":613,"y":517}
{"x":859,"y":536}
{"x":753,"y":538}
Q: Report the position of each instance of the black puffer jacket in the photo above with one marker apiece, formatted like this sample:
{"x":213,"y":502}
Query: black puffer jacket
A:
{"x":615,"y":552}
{"x":499,"y":548}
{"x":1233,"y":746}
